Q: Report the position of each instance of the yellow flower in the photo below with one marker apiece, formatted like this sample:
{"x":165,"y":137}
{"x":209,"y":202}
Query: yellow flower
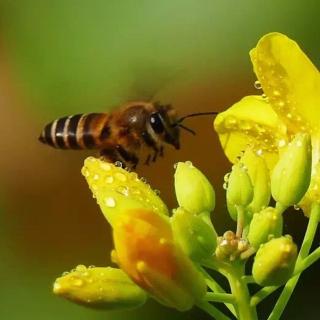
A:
{"x":145,"y":247}
{"x":290,"y":105}
{"x":146,"y":251}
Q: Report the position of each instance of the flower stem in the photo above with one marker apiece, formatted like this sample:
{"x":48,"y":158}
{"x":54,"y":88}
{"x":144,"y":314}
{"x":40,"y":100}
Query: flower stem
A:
{"x":240,"y":293}
{"x":305,"y":248}
{"x":219,"y":297}
{"x":262,"y":294}
{"x":216,"y":288}
{"x":212,"y":311}
{"x":308,"y":261}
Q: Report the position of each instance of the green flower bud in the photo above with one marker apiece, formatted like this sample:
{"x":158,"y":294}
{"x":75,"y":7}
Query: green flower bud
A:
{"x":291,"y":175}
{"x":239,"y":190}
{"x":102,"y":288}
{"x":193,"y":190}
{"x":194,"y":233}
{"x":118,"y":190}
{"x":274,"y":262}
{"x":265,"y":224}
{"x":260,"y":179}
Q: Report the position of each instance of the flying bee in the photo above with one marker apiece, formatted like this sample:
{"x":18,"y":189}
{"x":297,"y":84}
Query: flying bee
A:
{"x":120,"y":134}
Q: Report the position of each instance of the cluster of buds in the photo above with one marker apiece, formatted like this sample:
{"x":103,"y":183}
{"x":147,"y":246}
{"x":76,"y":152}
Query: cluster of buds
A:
{"x":159,"y":256}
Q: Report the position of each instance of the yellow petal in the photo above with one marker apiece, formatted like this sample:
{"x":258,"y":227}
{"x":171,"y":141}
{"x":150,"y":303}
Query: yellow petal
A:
{"x":251,"y":121}
{"x":290,"y":81}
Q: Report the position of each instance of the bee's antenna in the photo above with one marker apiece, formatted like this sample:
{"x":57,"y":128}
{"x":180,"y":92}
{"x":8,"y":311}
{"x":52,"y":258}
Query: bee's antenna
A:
{"x":195,"y":115}
{"x":187,"y":129}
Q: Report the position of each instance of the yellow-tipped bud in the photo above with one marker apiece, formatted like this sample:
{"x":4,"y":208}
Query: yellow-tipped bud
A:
{"x":117,"y":190}
{"x":260,"y":179}
{"x":147,"y":252}
{"x":194,"y":233}
{"x":291,"y":176}
{"x":264,"y":225}
{"x":239,"y":190}
{"x":193,"y":190}
{"x":102,"y":288}
{"x":274,"y":262}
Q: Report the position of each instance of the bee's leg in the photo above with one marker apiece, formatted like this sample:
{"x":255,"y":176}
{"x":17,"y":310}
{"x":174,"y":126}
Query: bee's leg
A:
{"x":147,"y":162}
{"x":128,"y":156}
{"x":150,"y":143}
{"x":161,"y":151}
{"x":111,"y":155}
{"x":155,"y":155}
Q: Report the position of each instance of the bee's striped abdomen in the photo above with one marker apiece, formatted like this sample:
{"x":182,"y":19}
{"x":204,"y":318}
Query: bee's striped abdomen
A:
{"x":81,"y":131}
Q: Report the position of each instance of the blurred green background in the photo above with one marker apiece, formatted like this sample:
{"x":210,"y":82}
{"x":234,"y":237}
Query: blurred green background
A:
{"x":63,"y":57}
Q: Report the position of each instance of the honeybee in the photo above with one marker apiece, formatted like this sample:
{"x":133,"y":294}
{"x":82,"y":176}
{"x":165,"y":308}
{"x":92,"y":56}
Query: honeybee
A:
{"x":120,"y":134}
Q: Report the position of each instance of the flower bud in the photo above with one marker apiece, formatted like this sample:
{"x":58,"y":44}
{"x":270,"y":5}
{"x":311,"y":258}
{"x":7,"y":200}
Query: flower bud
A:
{"x":194,"y":233}
{"x":291,"y":175}
{"x":265,"y":224}
{"x":102,"y":288}
{"x":193,"y":190}
{"x":239,"y":190}
{"x":274,"y":262}
{"x":117,"y":190}
{"x":260,"y":179}
{"x":147,"y":252}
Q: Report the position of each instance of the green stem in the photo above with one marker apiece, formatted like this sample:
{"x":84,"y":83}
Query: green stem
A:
{"x":240,"y":293}
{"x":219,"y":297}
{"x":305,"y":248}
{"x":308,"y":261}
{"x":212,"y":311}
{"x":262,"y":294}
{"x":216,"y":288}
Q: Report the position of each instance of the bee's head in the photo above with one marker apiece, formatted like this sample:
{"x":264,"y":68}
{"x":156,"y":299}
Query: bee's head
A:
{"x":162,"y":122}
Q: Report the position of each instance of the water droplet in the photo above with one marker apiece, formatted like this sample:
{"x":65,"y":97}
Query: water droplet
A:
{"x":134,"y":176}
{"x":296,"y":207}
{"x":230,"y":122}
{"x":85,"y":172}
{"x":78,"y":282}
{"x":135,"y":191}
{"x":110,"y":202}
{"x":259,"y":152}
{"x":94,"y":187}
{"x":81,"y":268}
{"x":120,"y":176}
{"x":123,"y":190}
{"x":91,"y":159}
{"x":105,"y":166}
{"x":264,"y":96}
{"x":118,"y":164}
{"x":225,"y":186}
{"x":96,"y":177}
{"x":109,"y":179}
{"x":65,"y":273}
{"x":226,"y":177}
{"x":257,"y":85}
{"x":289,"y":115}
{"x":91,"y":266}
{"x":143,"y":179}
{"x":189,"y":164}
{"x":276,"y":93}
{"x":175,"y":166}
{"x":157,"y":192}
{"x":281,"y":143}
{"x":281,"y":103}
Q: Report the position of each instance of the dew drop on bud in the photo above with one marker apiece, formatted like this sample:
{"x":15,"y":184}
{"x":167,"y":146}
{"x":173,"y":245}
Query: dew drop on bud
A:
{"x":118,"y":164}
{"x":296,"y":207}
{"x":110,"y":202}
{"x":257,"y":85}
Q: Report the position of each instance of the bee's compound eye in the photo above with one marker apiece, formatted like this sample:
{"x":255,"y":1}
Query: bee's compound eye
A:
{"x":156,"y":122}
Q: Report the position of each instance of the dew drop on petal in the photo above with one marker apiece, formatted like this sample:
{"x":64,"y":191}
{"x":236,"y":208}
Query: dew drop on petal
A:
{"x":281,"y":143}
{"x":78,"y":282}
{"x":109,"y":179}
{"x":225,"y":186}
{"x":105,"y":166}
{"x":123,"y":190}
{"x":157,"y":192}
{"x":120,"y":176}
{"x":110,"y":202}
{"x":81,"y":268}
{"x":296,"y":207}
{"x":96,"y":177}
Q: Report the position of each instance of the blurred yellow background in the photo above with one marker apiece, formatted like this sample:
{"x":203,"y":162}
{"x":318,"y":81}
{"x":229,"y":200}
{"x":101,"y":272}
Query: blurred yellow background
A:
{"x":63,"y":57}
